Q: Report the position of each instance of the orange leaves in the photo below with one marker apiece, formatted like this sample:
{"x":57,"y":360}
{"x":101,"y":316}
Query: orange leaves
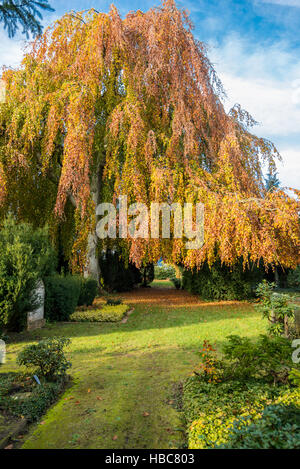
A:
{"x":104,"y":105}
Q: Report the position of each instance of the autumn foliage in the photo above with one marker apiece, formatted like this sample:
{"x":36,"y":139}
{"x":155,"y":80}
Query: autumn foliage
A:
{"x":103,"y":106}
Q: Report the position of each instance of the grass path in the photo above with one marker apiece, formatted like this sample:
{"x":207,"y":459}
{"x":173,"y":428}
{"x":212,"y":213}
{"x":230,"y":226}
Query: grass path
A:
{"x":124,"y":374}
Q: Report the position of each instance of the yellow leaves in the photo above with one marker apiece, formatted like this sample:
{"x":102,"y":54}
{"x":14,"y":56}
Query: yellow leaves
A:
{"x":136,"y":98}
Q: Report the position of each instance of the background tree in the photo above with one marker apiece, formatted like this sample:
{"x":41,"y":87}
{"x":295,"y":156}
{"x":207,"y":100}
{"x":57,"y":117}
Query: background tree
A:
{"x":24,"y":13}
{"x":104,"y":106}
{"x":272,"y":182}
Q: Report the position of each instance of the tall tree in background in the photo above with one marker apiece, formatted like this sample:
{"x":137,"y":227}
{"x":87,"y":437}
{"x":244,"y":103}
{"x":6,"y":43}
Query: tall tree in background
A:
{"x":24,"y":13}
{"x":104,"y":106}
{"x":272,"y":182}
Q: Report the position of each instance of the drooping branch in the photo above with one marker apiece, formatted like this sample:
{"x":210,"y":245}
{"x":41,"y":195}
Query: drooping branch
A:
{"x":139,"y":98}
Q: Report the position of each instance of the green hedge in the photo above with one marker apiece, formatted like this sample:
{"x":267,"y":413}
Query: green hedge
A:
{"x":105,"y":314}
{"x":61,"y":296}
{"x":25,"y":257}
{"x":116,"y":275}
{"x":222,"y":283}
{"x":88,"y":291}
{"x":293,"y":279}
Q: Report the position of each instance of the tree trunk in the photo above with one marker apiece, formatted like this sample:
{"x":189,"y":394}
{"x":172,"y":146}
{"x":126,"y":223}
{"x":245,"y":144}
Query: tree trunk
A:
{"x":92,"y":268}
{"x":277,"y":279}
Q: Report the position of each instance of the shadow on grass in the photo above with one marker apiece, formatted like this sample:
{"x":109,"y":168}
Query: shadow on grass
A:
{"x":145,"y":318}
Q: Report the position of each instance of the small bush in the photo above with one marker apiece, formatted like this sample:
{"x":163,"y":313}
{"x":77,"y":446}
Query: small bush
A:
{"x":105,"y":314}
{"x":176,"y":282}
{"x":117,"y":275}
{"x":236,"y":401}
{"x":293,"y":279}
{"x":164,"y":272}
{"x":218,"y":282}
{"x":268,"y":359}
{"x":47,"y":357}
{"x":212,"y":408}
{"x":278,"y":428}
{"x":88,"y":291}
{"x":275,"y":307}
{"x":61,"y":296}
{"x":113,"y":301}
{"x":39,"y":399}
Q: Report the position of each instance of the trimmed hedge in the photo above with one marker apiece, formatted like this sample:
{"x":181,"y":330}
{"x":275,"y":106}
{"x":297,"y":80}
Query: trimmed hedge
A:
{"x":222,"y":283}
{"x":105,"y":314}
{"x":61,"y":296}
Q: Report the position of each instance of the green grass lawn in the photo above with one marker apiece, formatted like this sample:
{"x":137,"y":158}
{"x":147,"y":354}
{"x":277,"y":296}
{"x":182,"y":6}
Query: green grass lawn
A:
{"x":125,"y":374}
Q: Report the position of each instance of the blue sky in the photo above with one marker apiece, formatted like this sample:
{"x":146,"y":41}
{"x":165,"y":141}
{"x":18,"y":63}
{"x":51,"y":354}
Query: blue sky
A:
{"x":255,"y":48}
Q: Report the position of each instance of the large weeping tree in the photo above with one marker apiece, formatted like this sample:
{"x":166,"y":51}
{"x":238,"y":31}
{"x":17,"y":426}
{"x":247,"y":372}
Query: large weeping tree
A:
{"x":103,"y":106}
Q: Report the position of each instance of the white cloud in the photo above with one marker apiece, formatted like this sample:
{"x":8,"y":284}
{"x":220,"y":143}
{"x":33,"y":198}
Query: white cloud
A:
{"x":266,"y":82}
{"x":286,"y":3}
{"x":11,"y":50}
{"x":289,"y":170}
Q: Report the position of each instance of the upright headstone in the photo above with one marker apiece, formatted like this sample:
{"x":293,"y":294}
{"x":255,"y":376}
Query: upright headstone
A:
{"x":2,"y":352}
{"x":35,"y":319}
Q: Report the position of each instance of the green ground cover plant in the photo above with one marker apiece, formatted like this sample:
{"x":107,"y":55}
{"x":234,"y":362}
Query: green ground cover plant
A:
{"x":108,"y":313}
{"x":248,"y":387}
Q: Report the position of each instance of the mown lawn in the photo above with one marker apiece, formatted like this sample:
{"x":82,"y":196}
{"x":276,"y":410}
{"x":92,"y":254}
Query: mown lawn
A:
{"x":125,"y":374}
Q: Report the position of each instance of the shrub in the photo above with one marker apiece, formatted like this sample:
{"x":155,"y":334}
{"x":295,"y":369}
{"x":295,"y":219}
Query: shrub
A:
{"x":47,"y":357}
{"x":293,"y":279}
{"x":212,"y":408}
{"x":275,"y":307}
{"x":164,"y":272}
{"x":232,"y":393}
{"x":268,"y":359}
{"x":105,"y":314}
{"x":219,"y":282}
{"x":117,"y":275}
{"x":39,"y":399}
{"x":61,"y":296}
{"x":294,"y":377}
{"x":176,"y":282}
{"x":25,"y":257}
{"x":147,"y":273}
{"x":278,"y":428}
{"x":88,"y":291}
{"x":113,"y":301}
